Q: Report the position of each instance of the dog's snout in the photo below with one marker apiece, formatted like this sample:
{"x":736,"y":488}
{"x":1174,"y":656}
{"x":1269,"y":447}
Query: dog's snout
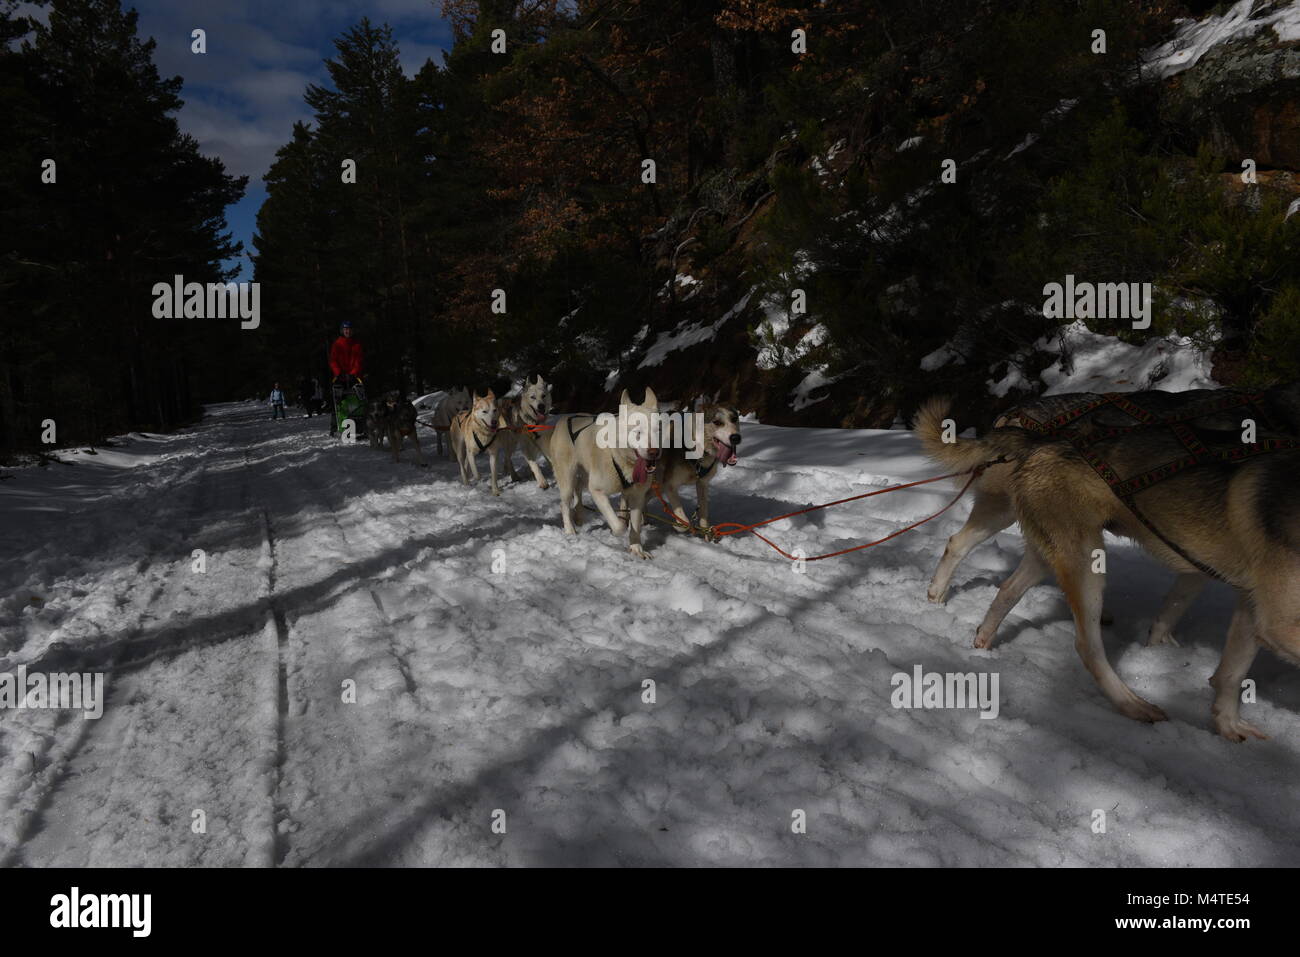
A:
{"x":735,"y":438}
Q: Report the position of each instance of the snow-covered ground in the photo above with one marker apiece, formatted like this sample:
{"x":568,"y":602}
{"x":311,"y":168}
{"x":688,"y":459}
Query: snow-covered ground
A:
{"x":499,"y":665}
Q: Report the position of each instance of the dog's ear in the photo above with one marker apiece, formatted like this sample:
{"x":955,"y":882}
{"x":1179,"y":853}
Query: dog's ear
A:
{"x":625,"y":399}
{"x":490,"y":395}
{"x":650,"y":398}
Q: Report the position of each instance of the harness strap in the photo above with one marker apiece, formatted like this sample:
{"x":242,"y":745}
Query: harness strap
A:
{"x":1126,"y":490}
{"x":625,"y":483}
{"x":573,"y":436}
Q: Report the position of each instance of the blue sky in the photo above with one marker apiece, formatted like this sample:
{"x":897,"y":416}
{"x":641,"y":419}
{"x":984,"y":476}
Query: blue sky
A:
{"x":243,"y":96}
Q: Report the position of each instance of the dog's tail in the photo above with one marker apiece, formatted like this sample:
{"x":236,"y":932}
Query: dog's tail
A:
{"x":963,"y":455}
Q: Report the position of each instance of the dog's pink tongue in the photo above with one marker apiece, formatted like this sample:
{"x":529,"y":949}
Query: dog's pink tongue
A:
{"x":640,"y":471}
{"x":726,"y":454}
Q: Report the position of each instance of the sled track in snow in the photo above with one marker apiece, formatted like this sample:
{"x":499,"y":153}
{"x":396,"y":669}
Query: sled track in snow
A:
{"x":58,"y":767}
{"x":280,"y":820}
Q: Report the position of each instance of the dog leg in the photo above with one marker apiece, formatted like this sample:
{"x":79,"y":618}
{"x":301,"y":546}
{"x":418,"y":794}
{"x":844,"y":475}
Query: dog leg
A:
{"x":492,"y":466}
{"x":1031,"y":570}
{"x":395,"y":440}
{"x":509,"y":453}
{"x":419,"y":452}
{"x":1186,"y":587}
{"x":564,"y":483}
{"x":991,"y":513}
{"x":675,"y":503}
{"x":602,"y":501}
{"x":702,"y":506}
{"x":1083,"y":590}
{"x":1238,"y":655}
{"x":634,"y":530}
{"x":537,"y":469}
{"x":462,"y":455}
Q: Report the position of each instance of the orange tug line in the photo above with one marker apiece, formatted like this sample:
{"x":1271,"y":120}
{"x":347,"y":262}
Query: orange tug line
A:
{"x":735,"y":528}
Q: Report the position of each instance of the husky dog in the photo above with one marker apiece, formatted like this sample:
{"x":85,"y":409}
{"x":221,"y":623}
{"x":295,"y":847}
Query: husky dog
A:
{"x":376,"y":427}
{"x":473,"y":431}
{"x":398,"y":421}
{"x":1239,"y":521}
{"x":721,"y":441}
{"x":454,"y":402}
{"x":584,"y":457}
{"x":992,"y":510}
{"x":529,"y":408}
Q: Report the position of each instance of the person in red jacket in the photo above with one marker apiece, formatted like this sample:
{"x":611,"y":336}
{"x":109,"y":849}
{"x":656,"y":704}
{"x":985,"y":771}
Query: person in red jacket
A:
{"x":345,"y":365}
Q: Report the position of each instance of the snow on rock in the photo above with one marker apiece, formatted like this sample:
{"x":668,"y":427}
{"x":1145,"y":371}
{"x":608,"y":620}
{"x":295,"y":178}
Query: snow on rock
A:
{"x":689,"y":334}
{"x":1100,"y":363}
{"x":1195,"y":38}
{"x":500,"y":664}
{"x":803,"y":392}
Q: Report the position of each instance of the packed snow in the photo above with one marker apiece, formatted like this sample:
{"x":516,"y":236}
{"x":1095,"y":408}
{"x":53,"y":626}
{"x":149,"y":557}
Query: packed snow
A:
{"x":500,"y":666}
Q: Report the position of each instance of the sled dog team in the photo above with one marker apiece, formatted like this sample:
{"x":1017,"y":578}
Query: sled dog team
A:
{"x":584,"y":459}
{"x":1157,"y":478}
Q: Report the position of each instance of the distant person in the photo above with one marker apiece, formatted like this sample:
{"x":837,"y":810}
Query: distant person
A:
{"x":277,"y":403}
{"x":345,"y":364}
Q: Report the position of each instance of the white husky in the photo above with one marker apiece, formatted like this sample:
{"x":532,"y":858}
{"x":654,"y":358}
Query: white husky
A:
{"x":452,"y":404}
{"x":584,"y":458}
{"x":529,"y":408}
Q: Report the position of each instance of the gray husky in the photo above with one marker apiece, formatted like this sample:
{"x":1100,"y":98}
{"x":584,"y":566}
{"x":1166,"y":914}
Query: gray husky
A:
{"x":1234,"y":515}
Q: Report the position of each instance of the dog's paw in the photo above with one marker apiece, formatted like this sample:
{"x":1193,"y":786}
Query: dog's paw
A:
{"x":1161,"y":637}
{"x":543,"y":484}
{"x":935,"y":595}
{"x":982,"y":640}
{"x":1236,"y":729}
{"x":496,"y":491}
{"x":639,"y":552}
{"x":1139,"y":709}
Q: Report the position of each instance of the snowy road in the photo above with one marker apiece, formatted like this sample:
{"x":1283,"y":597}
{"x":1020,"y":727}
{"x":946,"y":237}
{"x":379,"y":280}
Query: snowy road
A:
{"x":499,"y":666}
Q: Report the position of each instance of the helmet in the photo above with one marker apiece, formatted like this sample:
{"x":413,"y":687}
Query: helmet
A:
{"x":347,"y":324}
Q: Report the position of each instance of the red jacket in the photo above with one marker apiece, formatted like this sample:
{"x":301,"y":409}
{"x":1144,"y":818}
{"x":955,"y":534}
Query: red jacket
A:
{"x":345,"y":356}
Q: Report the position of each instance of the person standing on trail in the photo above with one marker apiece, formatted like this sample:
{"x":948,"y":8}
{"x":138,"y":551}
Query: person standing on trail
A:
{"x":345,"y":365}
{"x":277,"y":403}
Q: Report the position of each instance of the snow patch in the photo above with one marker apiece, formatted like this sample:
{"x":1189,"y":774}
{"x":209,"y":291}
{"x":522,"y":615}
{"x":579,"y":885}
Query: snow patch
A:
{"x":690,"y":334}
{"x":1195,"y":38}
{"x":1103,"y":363}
